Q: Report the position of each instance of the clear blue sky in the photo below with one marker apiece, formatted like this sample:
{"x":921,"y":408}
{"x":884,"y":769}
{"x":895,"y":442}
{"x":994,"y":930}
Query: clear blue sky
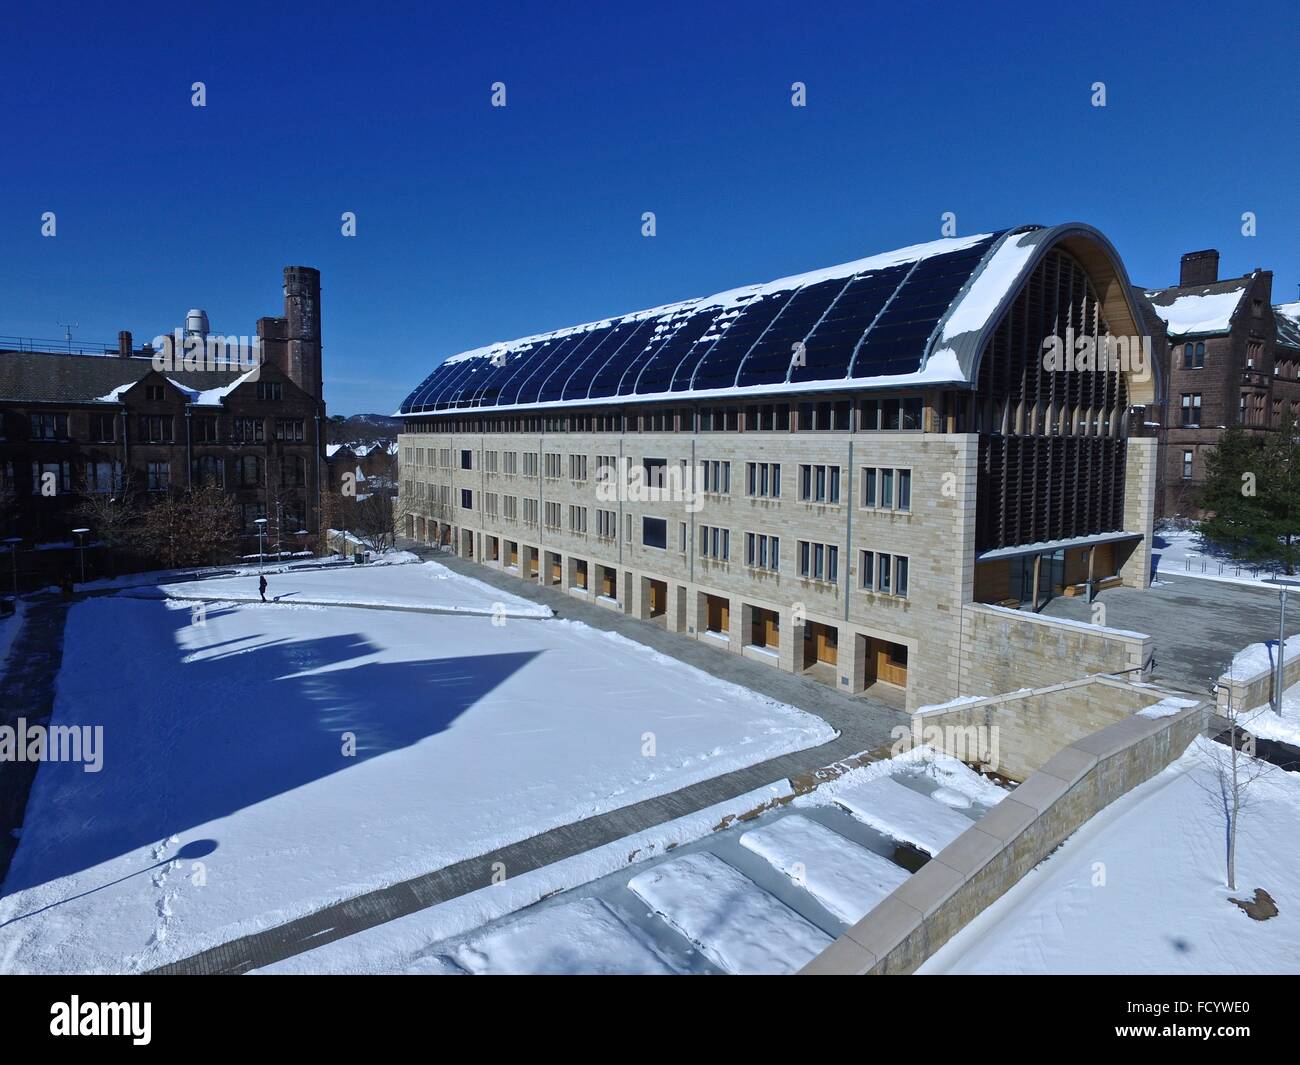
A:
{"x":477,"y":224}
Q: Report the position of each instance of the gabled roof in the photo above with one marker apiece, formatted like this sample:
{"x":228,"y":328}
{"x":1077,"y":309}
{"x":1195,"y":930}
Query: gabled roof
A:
{"x":1287,"y":317}
{"x":52,"y":377}
{"x":1199,"y":310}
{"x":915,"y":316}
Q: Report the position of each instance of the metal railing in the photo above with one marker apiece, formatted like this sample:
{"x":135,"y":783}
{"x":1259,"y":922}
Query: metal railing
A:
{"x":57,"y":347}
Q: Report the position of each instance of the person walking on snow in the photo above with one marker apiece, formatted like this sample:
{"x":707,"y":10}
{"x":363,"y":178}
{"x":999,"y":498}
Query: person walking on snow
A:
{"x":261,"y":587}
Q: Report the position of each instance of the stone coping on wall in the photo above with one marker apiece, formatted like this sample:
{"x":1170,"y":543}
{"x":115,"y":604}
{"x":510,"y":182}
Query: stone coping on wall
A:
{"x":991,"y":856}
{"x":1252,"y":684}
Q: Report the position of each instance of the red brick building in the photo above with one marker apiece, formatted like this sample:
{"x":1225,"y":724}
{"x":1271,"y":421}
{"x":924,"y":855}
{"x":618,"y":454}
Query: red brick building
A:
{"x":163,"y":420}
{"x":1234,"y":359}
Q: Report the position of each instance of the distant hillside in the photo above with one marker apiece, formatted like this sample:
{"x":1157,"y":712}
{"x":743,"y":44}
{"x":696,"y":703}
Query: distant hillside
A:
{"x":365,"y":428}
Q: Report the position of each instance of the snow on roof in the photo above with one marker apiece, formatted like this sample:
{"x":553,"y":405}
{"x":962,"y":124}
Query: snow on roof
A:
{"x":333,"y":449}
{"x":116,"y":395}
{"x":999,"y":276}
{"x":212,"y":397}
{"x":1207,"y":311}
{"x":1287,"y":317}
{"x":735,"y":296}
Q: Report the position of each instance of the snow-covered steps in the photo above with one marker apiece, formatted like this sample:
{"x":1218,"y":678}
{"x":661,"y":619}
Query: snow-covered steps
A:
{"x":843,"y":876}
{"x":736,"y":924}
{"x":903,"y":813}
{"x":584,"y":937}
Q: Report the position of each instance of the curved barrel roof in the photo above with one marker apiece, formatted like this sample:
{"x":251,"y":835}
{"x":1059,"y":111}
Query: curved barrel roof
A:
{"x":906,"y":317}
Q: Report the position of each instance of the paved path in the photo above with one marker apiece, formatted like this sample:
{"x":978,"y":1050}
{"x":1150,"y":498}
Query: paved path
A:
{"x":1198,"y":624}
{"x":864,"y":725}
{"x":27,"y":691}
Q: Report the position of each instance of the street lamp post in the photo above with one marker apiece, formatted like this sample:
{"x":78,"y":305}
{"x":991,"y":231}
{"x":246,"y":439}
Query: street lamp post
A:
{"x":261,"y":542}
{"x":13,"y":543}
{"x":1283,"y":585}
{"x":81,"y":547}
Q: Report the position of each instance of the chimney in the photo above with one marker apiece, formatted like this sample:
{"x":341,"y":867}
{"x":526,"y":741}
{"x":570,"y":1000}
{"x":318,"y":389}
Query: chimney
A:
{"x":302,"y":321}
{"x":1199,"y":268}
{"x":124,"y":344}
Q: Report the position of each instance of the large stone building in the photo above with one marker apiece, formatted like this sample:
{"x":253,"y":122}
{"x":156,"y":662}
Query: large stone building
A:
{"x":244,"y":414}
{"x":1234,"y":361}
{"x":858,"y":473}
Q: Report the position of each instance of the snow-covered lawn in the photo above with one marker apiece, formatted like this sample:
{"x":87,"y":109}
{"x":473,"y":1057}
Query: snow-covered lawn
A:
{"x":424,"y":585}
{"x":230,"y":798}
{"x":1140,"y":888}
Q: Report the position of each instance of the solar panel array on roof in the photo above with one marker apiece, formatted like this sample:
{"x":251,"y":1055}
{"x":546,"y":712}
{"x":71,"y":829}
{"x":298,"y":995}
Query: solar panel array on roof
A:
{"x":872,"y":321}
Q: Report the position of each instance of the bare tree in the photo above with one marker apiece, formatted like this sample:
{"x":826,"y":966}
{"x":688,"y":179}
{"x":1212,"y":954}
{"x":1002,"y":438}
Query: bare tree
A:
{"x":379,"y":519}
{"x":1234,"y":768}
{"x":113,"y":517}
{"x":195,"y":527}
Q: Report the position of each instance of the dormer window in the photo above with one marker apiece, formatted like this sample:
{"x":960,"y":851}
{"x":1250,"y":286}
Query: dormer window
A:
{"x":153,"y":393}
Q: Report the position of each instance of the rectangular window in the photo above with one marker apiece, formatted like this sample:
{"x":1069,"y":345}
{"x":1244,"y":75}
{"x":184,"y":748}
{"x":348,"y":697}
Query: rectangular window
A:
{"x":552,"y":515}
{"x":205,"y":429}
{"x":819,"y":484}
{"x":1187,"y":465}
{"x":763,"y":479}
{"x":819,"y":562}
{"x":553,"y":465}
{"x":466,"y":499}
{"x":681,"y":537}
{"x":762,"y":551}
{"x":269,"y":390}
{"x":156,"y":428}
{"x":159,"y":476}
{"x":1191,"y":408}
{"x":49,"y":427}
{"x":577,"y":467}
{"x":655,"y":471}
{"x":289,"y":429}
{"x":715,"y":543}
{"x":247,"y":430}
{"x":103,"y":476}
{"x":717,"y":477}
{"x":530,"y":464}
{"x":577,"y":519}
{"x":654,"y":532}
{"x":103,"y":428}
{"x":466,"y":459}
{"x":606,"y":524}
{"x":510,"y":462}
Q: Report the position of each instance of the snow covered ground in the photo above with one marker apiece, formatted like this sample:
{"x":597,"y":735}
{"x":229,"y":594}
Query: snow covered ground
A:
{"x":423,"y":585}
{"x":1140,"y":888}
{"x":1267,"y":724}
{"x":763,"y":895}
{"x":277,"y":758}
{"x":1184,"y":554}
{"x":10,"y":627}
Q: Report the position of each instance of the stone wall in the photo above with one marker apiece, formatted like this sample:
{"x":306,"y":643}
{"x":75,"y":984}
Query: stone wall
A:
{"x":1004,"y":650}
{"x":1255,"y":688}
{"x":990,"y":857}
{"x":1020,"y":731}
